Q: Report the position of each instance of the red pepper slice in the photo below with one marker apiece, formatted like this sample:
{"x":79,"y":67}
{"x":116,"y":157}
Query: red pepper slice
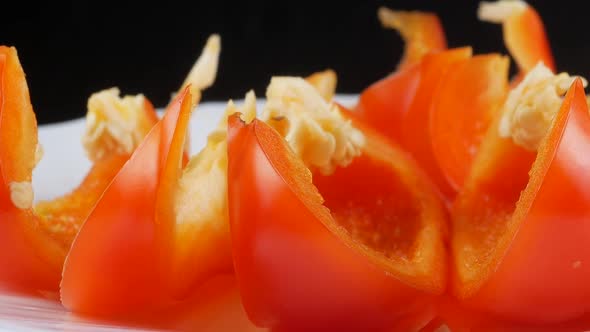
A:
{"x":464,"y":104}
{"x":35,"y":241}
{"x":29,"y":259}
{"x":525,"y":255}
{"x":416,"y":134}
{"x":385,"y":103}
{"x":525,"y":37}
{"x":374,"y":258}
{"x":117,"y":262}
{"x":403,"y":113}
{"x":422,"y":33}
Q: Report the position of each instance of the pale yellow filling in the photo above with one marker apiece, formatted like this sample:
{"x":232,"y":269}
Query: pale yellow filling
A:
{"x":314,"y":129}
{"x":531,"y":107}
{"x":114,"y":125}
{"x":499,"y":11}
{"x":202,"y":188}
{"x":21,"y":194}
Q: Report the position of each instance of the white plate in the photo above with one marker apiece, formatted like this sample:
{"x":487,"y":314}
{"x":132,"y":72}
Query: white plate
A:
{"x":62,"y":168}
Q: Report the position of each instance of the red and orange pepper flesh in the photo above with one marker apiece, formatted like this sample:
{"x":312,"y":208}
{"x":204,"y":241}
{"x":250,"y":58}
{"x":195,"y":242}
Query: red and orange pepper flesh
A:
{"x":385,"y":103}
{"x":519,"y":246}
{"x":409,"y":126}
{"x":523,"y":31}
{"x":114,"y":128}
{"x":373,"y":259}
{"x":117,"y":261}
{"x":416,"y":136}
{"x":36,"y":239}
{"x":120,"y":265}
{"x":422,"y":33}
{"x":29,"y":259}
{"x":464,"y":104}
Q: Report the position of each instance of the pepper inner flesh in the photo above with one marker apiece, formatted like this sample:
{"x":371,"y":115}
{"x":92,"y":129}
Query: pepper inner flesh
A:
{"x":373,"y":204}
{"x":484,"y":214}
{"x":62,"y":217}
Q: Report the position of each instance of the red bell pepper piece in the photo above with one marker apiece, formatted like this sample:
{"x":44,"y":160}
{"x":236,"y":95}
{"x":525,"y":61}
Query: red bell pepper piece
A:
{"x":119,"y":260}
{"x":406,"y":119}
{"x":523,"y":30}
{"x":361,"y":248}
{"x":520,"y":225}
{"x":35,"y":240}
{"x":464,"y":104}
{"x":29,"y":259}
{"x":385,"y":103}
{"x":422,"y":33}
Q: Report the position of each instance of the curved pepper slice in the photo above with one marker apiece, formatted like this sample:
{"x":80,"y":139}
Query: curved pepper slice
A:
{"x":369,"y":255}
{"x":520,"y":244}
{"x":36,"y":240}
{"x":407,"y":122}
{"x":466,"y":100}
{"x":66,"y":214}
{"x":415,"y":129}
{"x":29,"y":259}
{"x":385,"y":103}
{"x":422,"y":33}
{"x":524,"y":33}
{"x":117,"y":260}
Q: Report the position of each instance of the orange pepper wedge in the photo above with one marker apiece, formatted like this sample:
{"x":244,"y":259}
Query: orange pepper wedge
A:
{"x":36,"y":239}
{"x":406,"y":118}
{"x":341,"y":252}
{"x":519,"y":243}
{"x":116,"y":263}
{"x":416,"y":137}
{"x":464,"y":104}
{"x":422,"y":33}
{"x":524,"y":36}
{"x":67,"y":213}
{"x":29,"y":259}
{"x":385,"y":103}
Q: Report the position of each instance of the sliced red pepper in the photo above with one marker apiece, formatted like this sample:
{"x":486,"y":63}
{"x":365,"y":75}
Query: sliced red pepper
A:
{"x":36,"y":241}
{"x":520,"y":244}
{"x":117,"y":262}
{"x":415,"y":129}
{"x":361,"y":248}
{"x":464,"y":104}
{"x":525,"y":37}
{"x":526,"y":40}
{"x":29,"y":259}
{"x":67,"y":213}
{"x":399,"y":107}
{"x":422,"y":33}
{"x":385,"y":103}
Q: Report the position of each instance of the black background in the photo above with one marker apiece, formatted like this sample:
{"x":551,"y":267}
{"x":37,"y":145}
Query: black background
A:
{"x":71,"y":49}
